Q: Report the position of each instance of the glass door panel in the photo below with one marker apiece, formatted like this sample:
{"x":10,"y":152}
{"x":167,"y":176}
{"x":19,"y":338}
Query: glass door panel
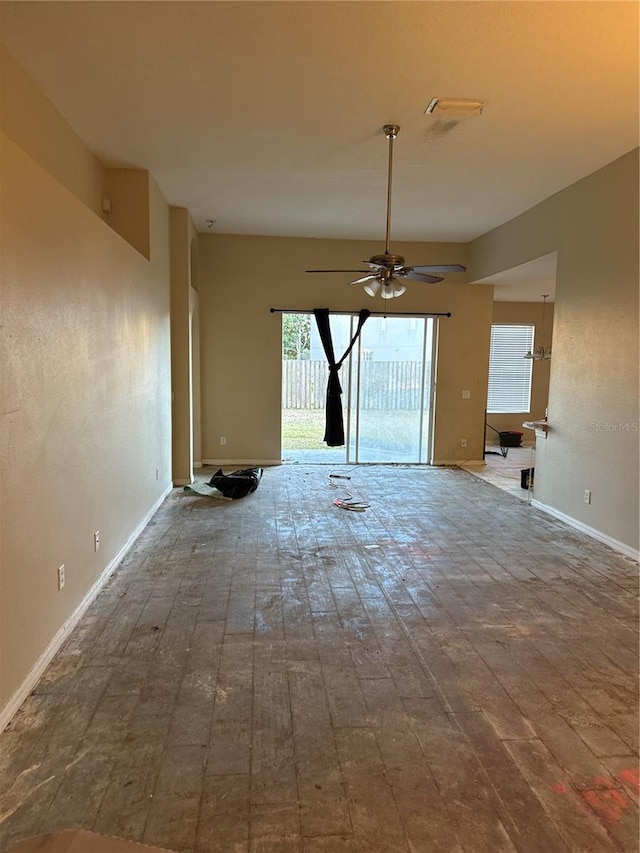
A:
{"x":429,"y":389}
{"x":304,"y":388}
{"x":391,"y":391}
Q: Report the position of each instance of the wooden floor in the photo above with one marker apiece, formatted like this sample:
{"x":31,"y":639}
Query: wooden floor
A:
{"x":451,"y":670}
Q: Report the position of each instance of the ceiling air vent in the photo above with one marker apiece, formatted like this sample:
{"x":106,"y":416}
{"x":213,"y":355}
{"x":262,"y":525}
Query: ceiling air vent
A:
{"x":455,"y":107}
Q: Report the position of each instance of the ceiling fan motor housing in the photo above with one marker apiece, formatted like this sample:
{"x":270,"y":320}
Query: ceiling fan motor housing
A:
{"x":388,"y":261}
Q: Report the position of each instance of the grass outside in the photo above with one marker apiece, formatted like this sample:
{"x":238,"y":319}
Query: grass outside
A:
{"x":303,"y":429}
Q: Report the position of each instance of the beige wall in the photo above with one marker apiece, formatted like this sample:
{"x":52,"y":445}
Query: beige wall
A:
{"x":127,"y":192}
{"x":33,"y":123}
{"x":593,"y":389}
{"x":525,"y":313}
{"x":85,"y":393}
{"x":241,"y":278}
{"x":185,"y":346}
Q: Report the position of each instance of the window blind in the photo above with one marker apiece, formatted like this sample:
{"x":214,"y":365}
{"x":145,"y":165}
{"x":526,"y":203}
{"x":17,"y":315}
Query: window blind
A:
{"x":509,"y":371}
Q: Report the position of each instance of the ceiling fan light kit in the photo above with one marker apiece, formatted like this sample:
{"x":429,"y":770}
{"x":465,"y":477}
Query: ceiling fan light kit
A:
{"x":541,"y":352}
{"x":387,"y":272}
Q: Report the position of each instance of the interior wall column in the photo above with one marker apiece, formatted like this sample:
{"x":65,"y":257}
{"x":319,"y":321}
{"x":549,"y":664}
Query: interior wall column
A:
{"x":181,"y":384}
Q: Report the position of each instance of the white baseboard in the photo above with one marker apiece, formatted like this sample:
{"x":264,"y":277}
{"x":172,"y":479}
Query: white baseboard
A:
{"x":458,"y":463}
{"x":245,"y":463}
{"x":48,"y":654}
{"x":621,"y":547}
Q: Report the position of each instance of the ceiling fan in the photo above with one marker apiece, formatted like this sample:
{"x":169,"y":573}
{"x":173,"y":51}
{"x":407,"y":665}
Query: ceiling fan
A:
{"x":388,"y":271}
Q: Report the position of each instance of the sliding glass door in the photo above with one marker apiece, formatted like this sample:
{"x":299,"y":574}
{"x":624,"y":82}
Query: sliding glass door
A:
{"x":387,"y":390}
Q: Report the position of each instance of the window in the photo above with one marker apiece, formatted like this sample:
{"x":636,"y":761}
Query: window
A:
{"x":509,"y":370}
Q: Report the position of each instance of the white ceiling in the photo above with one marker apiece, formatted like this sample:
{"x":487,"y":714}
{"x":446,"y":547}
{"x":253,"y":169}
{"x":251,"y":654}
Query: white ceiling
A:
{"x":266,"y":116}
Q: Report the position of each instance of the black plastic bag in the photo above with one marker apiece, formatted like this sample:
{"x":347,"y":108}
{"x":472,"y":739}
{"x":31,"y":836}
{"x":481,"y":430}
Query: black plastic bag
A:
{"x":237,"y":484}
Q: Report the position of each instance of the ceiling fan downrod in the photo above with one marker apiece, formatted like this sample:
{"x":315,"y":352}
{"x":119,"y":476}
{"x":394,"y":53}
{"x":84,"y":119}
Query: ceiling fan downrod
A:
{"x":387,"y":272}
{"x":390,"y":131}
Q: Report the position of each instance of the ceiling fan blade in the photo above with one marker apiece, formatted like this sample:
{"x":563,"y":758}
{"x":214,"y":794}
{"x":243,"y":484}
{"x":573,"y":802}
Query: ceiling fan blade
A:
{"x":364,"y":279}
{"x":438,"y":268}
{"x":365,"y":271}
{"x":420,"y":276}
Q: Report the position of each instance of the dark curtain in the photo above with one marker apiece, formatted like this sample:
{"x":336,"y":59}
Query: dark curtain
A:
{"x":334,"y":429}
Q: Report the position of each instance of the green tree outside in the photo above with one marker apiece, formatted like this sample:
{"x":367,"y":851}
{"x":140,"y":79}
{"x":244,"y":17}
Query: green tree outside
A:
{"x":296,"y":336}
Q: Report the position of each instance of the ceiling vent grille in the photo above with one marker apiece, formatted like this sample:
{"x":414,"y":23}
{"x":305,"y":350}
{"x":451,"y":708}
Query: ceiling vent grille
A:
{"x":455,"y":107}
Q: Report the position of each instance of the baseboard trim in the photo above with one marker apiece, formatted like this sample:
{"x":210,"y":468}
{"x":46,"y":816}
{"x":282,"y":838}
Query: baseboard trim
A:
{"x":621,"y":547}
{"x":457,"y":463}
{"x":14,"y":703}
{"x":246,"y":463}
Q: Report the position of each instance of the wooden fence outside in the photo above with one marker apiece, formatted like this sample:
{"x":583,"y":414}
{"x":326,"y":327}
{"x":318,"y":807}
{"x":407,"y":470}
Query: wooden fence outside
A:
{"x":384,"y":385}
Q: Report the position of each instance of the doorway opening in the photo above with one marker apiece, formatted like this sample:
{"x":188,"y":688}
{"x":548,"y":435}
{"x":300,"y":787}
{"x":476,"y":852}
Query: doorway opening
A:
{"x":387,"y":390}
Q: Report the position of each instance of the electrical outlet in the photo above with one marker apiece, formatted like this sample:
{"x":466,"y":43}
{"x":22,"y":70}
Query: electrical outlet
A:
{"x":223,"y":439}
{"x":466,"y":395}
{"x":587,"y":496}
{"x":96,"y":541}
{"x":463,"y":442}
{"x":60,"y":577}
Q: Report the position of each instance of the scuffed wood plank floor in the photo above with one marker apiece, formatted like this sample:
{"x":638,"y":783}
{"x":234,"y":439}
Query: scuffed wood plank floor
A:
{"x":449,"y":671}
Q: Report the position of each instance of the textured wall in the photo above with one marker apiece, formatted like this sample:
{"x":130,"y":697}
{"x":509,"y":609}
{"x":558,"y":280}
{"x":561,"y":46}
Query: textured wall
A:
{"x":85,"y":400}
{"x":593,"y":386}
